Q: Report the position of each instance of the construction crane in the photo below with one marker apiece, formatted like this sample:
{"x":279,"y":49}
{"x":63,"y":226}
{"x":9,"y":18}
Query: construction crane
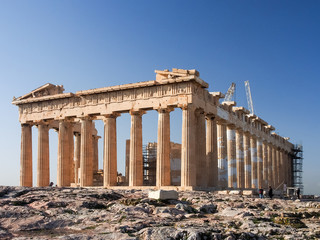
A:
{"x":230,"y":93}
{"x":249,"y":98}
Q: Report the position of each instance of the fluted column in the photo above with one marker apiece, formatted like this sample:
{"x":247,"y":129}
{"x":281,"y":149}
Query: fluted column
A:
{"x":265,"y":165}
{"x":211,"y":151}
{"x":281,"y":168}
{"x":86,"y":153}
{"x":240,"y":158}
{"x":270,"y":166}
{"x":232,"y":165}
{"x":26,"y":156}
{"x":260,"y":162}
{"x":201,"y":149}
{"x":163,"y":149}
{"x":254,"y":164}
{"x":277,"y":168}
{"x":43,"y":173}
{"x":285,"y":167}
{"x":63,"y":178}
{"x":247,"y":160}
{"x":77,"y":144}
{"x":110,"y":151}
{"x":95,"y":140}
{"x":71,"y":152}
{"x":222,"y":155}
{"x":136,"y":161}
{"x":274,"y":166}
{"x":188,"y":165}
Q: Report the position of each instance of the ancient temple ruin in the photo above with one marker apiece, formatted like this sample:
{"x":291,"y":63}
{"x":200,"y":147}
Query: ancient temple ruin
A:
{"x":223,"y":146}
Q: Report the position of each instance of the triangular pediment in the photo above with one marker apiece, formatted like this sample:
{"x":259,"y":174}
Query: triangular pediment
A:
{"x":45,"y":90}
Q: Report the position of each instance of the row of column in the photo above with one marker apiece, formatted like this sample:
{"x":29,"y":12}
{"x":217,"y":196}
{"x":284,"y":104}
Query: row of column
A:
{"x":212,"y":155}
{"x":245,"y":161}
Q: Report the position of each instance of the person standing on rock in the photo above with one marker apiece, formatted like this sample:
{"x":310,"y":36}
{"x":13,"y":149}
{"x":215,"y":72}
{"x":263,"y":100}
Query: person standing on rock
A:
{"x":270,"y":192}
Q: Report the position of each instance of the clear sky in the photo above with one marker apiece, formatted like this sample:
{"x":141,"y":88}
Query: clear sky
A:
{"x":90,"y":44}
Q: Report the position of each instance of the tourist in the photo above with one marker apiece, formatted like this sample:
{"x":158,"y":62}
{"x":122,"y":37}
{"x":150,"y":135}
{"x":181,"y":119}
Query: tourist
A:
{"x":51,"y":184}
{"x":270,"y":192}
{"x":298,"y":193}
{"x":261,"y":193}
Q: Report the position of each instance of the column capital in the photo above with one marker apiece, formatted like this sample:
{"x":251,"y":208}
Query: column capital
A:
{"x":187,"y":106}
{"x":137,"y":112}
{"x":112,"y":115}
{"x":164,"y":109}
{"x":28,"y":124}
{"x":239,"y":129}
{"x":210,"y":116}
{"x":199,"y":111}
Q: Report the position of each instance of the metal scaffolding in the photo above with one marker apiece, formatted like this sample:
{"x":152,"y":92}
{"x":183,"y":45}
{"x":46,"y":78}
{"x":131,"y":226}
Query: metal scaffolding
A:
{"x":149,"y":154}
{"x":297,"y":166}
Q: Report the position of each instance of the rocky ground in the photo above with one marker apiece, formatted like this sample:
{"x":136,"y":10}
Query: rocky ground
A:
{"x":71,"y":213}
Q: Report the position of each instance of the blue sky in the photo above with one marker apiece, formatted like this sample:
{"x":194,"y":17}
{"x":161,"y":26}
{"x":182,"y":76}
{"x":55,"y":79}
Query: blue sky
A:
{"x":90,"y":44}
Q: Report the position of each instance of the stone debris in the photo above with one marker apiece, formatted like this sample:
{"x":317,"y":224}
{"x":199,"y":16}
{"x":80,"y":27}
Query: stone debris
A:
{"x":163,"y":194}
{"x":95,"y":213}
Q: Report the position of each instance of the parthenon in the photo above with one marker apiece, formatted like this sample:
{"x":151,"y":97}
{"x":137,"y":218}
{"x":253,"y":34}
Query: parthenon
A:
{"x":223,"y":145}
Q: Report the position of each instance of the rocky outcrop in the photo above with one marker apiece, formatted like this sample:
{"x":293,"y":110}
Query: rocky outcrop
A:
{"x":93,"y":213}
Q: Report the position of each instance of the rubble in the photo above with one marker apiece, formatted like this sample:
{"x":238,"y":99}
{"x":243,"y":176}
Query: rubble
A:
{"x":96,"y":213}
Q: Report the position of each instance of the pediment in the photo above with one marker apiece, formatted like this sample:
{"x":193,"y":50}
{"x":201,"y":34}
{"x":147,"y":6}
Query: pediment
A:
{"x":45,"y":90}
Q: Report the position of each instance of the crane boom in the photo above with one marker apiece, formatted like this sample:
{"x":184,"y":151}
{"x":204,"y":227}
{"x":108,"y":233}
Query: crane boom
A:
{"x":249,"y":98}
{"x":230,"y":93}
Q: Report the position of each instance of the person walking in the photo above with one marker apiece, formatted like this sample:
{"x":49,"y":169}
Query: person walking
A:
{"x":261,"y":193}
{"x":270,"y":192}
{"x":298,"y":193}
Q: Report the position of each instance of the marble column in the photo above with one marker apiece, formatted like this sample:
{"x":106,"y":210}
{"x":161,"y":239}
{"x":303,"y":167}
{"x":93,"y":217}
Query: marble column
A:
{"x":260,"y":163}
{"x":136,"y":160}
{"x":211,"y":151}
{"x":270,"y":166}
{"x":232,"y":165}
{"x":110,"y":151}
{"x":26,"y":156}
{"x":285,"y":167}
{"x":71,"y":151}
{"x":43,"y":173}
{"x":277,"y":168}
{"x":240,"y":158}
{"x":63,"y":170}
{"x":77,"y":146}
{"x":95,"y":140}
{"x":281,"y":168}
{"x":254,"y":163}
{"x":163,"y":149}
{"x":274,"y":167}
{"x":201,"y":149}
{"x":247,"y":160}
{"x":86,"y":153}
{"x":188,"y":165}
{"x":265,"y":165}
{"x":222,"y":155}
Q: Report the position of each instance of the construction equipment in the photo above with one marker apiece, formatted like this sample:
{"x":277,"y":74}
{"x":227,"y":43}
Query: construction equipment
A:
{"x":249,"y":98}
{"x":229,"y":94}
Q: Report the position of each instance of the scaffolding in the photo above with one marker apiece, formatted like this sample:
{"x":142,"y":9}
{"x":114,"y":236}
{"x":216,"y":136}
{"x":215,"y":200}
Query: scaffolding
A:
{"x":149,"y":153}
{"x":297,"y":166}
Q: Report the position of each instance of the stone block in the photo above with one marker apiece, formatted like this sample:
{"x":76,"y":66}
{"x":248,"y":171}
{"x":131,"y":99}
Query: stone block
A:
{"x":247,"y":192}
{"x":235,"y":192}
{"x":163,"y":194}
{"x":223,"y":192}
